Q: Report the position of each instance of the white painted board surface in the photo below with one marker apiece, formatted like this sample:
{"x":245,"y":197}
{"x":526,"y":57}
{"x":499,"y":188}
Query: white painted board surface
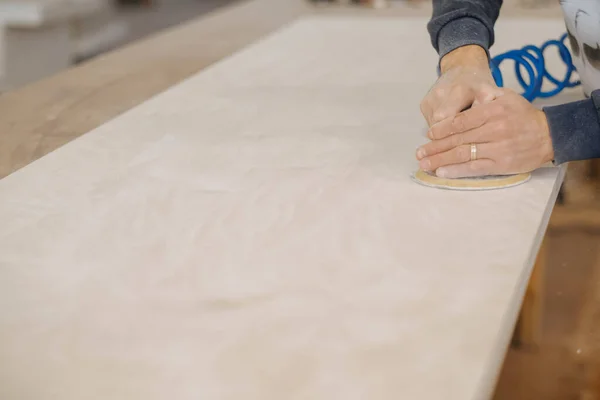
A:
{"x":253,"y":233}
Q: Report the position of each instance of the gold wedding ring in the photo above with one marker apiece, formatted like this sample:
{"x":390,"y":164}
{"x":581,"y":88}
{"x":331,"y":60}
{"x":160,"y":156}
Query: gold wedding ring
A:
{"x":473,"y":152}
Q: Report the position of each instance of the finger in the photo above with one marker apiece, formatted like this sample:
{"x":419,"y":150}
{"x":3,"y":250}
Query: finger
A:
{"x":462,"y":122}
{"x":470,"y":169}
{"x":456,"y":155}
{"x":478,"y":135}
{"x":457,"y":99}
{"x":461,"y":99}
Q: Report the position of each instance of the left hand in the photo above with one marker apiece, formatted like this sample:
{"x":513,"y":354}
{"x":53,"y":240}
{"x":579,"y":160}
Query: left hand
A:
{"x":511,"y":135}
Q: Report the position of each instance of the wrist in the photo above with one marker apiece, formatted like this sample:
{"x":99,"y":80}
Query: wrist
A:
{"x":470,"y":56}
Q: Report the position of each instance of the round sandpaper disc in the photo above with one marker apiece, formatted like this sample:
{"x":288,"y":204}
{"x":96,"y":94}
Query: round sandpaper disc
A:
{"x":480,"y":183}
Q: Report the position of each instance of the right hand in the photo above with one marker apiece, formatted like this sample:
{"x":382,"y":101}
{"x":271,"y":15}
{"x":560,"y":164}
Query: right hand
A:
{"x":465,"y":81}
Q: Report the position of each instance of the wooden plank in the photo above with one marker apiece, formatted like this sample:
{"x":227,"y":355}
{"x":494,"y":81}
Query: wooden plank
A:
{"x":42,"y":117}
{"x":254,"y":232}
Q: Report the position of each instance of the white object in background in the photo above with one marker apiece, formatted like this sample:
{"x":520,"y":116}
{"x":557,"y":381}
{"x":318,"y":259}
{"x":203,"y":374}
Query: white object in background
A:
{"x":96,"y":33}
{"x":35,"y":13}
{"x":37,"y":39}
{"x":28,"y":56}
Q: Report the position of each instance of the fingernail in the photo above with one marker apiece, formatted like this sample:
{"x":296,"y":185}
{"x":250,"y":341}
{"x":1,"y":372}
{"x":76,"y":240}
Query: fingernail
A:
{"x":441,"y":172}
{"x":420,"y":154}
{"x":425,"y":165}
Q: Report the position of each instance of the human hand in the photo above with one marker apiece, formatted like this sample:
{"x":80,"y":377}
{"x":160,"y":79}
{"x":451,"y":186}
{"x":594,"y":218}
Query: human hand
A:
{"x":465,"y":80}
{"x":511,"y":135}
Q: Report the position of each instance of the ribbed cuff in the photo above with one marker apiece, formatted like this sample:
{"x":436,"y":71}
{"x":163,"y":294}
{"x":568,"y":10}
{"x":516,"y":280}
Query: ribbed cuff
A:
{"x":575,"y":131}
{"x":462,"y":32}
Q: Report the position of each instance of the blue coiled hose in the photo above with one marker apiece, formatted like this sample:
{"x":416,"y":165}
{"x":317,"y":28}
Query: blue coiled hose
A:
{"x":531,"y":59}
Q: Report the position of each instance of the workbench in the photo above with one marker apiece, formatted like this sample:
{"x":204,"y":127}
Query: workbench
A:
{"x":253,"y":231}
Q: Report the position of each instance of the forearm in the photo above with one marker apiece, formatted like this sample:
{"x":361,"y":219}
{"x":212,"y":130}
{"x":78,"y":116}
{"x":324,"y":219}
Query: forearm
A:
{"x":575,"y":129}
{"x":458,"y":23}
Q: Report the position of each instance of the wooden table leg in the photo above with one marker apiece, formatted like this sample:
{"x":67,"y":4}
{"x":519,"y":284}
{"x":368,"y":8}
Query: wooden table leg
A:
{"x":527,"y":332}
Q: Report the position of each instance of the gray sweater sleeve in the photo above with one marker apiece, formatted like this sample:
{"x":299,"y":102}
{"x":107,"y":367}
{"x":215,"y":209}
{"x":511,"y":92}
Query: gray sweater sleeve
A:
{"x":574,"y":127}
{"x":457,"y":23}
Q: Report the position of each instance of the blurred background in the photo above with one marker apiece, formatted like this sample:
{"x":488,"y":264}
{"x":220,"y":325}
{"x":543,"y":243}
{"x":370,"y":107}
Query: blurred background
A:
{"x":66,"y":66}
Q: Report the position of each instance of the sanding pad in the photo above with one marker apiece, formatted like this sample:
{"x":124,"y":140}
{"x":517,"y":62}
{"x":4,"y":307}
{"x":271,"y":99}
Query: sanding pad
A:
{"x":480,"y":183}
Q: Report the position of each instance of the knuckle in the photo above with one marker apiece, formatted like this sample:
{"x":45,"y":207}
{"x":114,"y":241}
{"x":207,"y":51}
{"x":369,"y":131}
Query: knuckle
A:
{"x":459,"y":92}
{"x":458,"y":123}
{"x":439,"y":115}
{"x":486,"y":93}
{"x":439,"y":91}
{"x":432,"y":134}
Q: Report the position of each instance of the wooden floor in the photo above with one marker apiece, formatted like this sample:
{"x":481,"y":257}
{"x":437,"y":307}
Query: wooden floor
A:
{"x":566,"y":364}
